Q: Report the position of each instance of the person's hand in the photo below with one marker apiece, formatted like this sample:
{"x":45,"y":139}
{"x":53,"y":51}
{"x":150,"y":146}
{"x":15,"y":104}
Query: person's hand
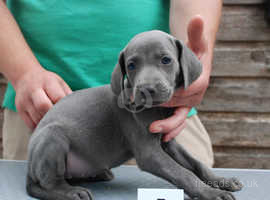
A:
{"x":36,"y":92}
{"x":186,"y":99}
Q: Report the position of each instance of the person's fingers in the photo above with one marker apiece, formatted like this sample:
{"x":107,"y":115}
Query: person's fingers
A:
{"x":182,"y":110}
{"x":174,"y":102}
{"x":174,"y":133}
{"x":27,"y":119}
{"x":54,"y":91}
{"x":41,"y":102}
{"x":65,"y":86}
{"x":189,"y":93}
{"x":23,"y":103}
{"x":181,"y":101}
{"x":34,"y":114}
{"x":167,"y":125}
{"x":196,"y":41}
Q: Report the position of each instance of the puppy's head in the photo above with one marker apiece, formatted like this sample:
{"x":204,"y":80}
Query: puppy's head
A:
{"x":155,"y":64}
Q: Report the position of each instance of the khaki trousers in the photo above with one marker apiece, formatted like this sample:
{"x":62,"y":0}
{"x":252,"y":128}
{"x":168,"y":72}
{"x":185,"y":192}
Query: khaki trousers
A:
{"x":16,"y":134}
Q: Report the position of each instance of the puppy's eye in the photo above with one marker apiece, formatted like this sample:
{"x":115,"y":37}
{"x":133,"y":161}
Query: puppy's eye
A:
{"x":166,"y":60}
{"x":131,"y":66}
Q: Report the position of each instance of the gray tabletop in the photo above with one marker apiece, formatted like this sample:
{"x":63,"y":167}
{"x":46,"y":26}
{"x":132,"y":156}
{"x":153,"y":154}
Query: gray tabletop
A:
{"x":127,"y":180}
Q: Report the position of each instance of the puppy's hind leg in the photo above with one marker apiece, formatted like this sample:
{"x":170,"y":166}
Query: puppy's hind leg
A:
{"x":46,"y":172}
{"x":181,"y":156}
{"x":62,"y":191}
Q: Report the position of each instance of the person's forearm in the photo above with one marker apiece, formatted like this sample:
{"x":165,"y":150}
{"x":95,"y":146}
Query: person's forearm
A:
{"x":181,"y":12}
{"x":16,"y":57}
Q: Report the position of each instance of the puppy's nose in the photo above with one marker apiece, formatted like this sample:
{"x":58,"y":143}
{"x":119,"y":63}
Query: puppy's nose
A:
{"x":149,"y":88}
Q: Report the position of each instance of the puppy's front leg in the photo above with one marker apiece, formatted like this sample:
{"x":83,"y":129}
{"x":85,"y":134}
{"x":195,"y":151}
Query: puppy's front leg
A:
{"x":153,"y":159}
{"x":181,"y":156}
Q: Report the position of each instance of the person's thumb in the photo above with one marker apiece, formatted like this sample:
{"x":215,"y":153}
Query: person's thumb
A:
{"x":196,"y":40}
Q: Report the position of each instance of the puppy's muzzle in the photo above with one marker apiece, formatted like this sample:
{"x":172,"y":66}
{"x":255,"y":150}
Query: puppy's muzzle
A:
{"x":154,"y":93}
{"x":151,"y":89}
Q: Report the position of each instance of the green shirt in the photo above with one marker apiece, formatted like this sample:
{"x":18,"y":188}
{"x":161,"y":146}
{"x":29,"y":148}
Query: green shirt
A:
{"x":80,"y":40}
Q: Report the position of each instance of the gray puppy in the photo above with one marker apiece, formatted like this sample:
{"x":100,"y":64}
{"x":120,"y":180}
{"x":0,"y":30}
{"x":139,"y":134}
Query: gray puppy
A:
{"x":87,"y":133}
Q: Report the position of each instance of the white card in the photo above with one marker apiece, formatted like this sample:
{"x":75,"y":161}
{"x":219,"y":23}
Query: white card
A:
{"x":160,"y":194}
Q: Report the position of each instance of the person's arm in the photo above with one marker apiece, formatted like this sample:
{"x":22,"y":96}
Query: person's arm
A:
{"x":36,"y":88}
{"x":15,"y":53}
{"x":196,"y":23}
{"x":202,"y":36}
{"x":183,"y":11}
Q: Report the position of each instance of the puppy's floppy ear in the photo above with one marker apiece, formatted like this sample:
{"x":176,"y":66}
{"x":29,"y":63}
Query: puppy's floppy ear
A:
{"x":118,"y":74}
{"x":190,"y":66}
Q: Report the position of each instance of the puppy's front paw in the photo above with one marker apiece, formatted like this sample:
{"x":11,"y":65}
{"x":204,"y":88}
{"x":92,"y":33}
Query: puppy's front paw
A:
{"x":231,"y":184}
{"x":79,"y":194}
{"x":107,"y":175}
{"x":224,"y":196}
